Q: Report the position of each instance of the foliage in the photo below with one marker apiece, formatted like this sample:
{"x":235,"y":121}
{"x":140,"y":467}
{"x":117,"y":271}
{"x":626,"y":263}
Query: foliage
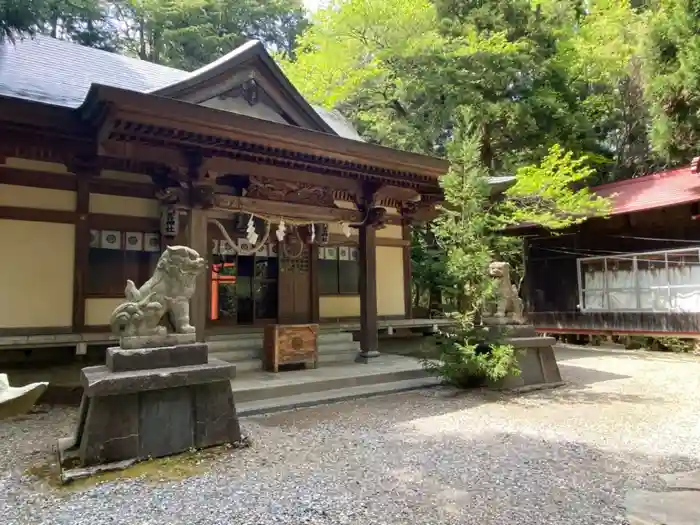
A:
{"x":462,"y":232}
{"x":188,"y":34}
{"x":672,"y":68}
{"x":19,"y":18}
{"x":603,"y":61}
{"x":181,"y":33}
{"x":463,"y":360}
{"x":546,"y":194}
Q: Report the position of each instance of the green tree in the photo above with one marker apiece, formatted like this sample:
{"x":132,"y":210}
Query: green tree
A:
{"x":19,"y":18}
{"x":85,"y":22}
{"x":189,"y":34}
{"x":673,"y":79}
{"x":602,"y":56}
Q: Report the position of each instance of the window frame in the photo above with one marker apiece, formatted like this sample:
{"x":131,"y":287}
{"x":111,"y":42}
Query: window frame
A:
{"x":637,"y":289}
{"x":338,"y":260}
{"x":145,"y":271}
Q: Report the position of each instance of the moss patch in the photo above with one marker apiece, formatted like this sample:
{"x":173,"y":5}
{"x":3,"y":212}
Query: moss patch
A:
{"x":171,"y":468}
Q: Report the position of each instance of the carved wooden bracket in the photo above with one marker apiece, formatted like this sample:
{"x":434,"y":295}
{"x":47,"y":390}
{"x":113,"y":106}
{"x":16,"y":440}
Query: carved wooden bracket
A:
{"x":289,"y":191}
{"x":418,"y":212}
{"x":372,"y":215}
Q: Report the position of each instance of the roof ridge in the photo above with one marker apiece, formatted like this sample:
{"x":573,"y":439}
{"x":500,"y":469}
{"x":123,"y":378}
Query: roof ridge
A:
{"x":637,"y":180}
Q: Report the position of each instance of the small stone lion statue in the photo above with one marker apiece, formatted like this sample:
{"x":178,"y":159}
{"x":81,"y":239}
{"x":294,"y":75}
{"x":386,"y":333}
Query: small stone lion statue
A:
{"x":508,"y":303}
{"x":167,"y":292}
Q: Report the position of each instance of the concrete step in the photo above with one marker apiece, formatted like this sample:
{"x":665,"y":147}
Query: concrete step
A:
{"x":334,"y":337}
{"x":255,"y":363}
{"x":309,"y":399}
{"x":285,"y":384}
{"x":219,"y":344}
{"x":235,"y":355}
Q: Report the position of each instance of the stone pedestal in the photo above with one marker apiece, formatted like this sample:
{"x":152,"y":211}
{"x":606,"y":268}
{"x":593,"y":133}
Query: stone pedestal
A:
{"x":152,"y":402}
{"x":536,"y":359}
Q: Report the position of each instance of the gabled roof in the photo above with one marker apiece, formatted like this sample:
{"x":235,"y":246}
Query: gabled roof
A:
{"x":253,"y":54}
{"x":657,"y":190}
{"x":57,"y":72}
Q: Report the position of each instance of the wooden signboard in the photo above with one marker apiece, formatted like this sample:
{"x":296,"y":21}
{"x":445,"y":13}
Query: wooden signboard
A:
{"x":290,"y":343}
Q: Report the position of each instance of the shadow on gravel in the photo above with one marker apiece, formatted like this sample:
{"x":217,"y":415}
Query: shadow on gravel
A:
{"x":516,"y":479}
{"x":582,"y":375}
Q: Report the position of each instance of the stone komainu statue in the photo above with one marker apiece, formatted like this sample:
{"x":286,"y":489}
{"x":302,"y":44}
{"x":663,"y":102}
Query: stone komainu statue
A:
{"x":167,"y":292}
{"x":508,"y":303}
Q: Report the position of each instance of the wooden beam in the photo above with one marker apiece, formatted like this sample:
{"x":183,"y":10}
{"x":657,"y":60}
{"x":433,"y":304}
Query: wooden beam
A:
{"x":35,"y":215}
{"x":38,"y":179}
{"x":104,"y":221}
{"x":285,"y":209}
{"x":173,"y":114}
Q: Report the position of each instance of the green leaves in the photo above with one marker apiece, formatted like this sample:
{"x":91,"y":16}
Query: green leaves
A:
{"x":672,"y":74}
{"x":552,"y":194}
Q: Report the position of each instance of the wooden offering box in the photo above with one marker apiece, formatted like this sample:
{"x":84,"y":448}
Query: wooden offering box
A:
{"x":290,"y":343}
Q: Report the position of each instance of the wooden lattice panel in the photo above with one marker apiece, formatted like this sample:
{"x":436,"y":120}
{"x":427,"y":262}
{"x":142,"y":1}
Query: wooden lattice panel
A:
{"x":288,"y":344}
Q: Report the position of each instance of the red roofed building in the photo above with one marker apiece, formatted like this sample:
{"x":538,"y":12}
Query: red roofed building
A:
{"x":658,"y":190}
{"x":634,"y":272}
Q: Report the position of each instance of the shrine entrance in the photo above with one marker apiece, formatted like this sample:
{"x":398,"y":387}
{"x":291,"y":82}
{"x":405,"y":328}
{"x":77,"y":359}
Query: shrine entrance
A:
{"x":294,"y":284}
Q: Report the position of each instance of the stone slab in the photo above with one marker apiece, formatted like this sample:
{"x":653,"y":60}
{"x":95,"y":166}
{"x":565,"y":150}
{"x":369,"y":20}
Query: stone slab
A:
{"x":531,"y":342}
{"x":123,"y":360}
{"x":500,"y":321}
{"x":151,"y":424}
{"x":152,"y":341}
{"x":663,"y":508}
{"x":111,"y":430}
{"x":101,"y":381}
{"x":165,"y":422}
{"x":215,"y":415}
{"x":538,"y":366}
{"x":683,"y":480}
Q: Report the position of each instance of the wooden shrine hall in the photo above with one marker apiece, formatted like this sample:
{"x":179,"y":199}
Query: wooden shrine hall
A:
{"x":105,"y":160}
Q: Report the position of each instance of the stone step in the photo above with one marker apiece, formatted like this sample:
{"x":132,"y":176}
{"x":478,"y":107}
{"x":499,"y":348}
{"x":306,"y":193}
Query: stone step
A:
{"x":287,"y":384}
{"x":252,"y":364}
{"x":237,"y":355}
{"x":229,"y":343}
{"x":309,"y":399}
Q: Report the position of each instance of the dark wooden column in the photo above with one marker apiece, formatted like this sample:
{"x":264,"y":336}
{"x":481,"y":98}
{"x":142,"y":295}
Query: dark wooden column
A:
{"x":407,"y":273}
{"x":369,"y":340}
{"x":85,"y":170}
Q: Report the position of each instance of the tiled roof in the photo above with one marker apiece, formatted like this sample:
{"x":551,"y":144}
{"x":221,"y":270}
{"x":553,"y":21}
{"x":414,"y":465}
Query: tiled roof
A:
{"x":52,"y":71}
{"x":658,"y":190}
{"x":57,"y":72}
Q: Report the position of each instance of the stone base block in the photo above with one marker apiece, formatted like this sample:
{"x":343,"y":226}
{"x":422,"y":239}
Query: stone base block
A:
{"x":152,"y":413}
{"x":538,"y":364}
{"x":151,"y":341}
{"x":101,"y":381}
{"x":125,"y":360}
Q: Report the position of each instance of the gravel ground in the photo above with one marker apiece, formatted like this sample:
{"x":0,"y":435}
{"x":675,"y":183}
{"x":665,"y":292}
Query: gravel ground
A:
{"x":565,"y":456}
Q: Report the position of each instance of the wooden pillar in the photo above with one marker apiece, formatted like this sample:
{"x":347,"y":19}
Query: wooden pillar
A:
{"x":197,"y":240}
{"x":407,"y":274}
{"x":85,"y":170}
{"x":369,"y":339}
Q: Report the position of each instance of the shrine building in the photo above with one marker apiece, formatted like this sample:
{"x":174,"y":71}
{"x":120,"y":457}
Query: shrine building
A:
{"x":105,"y":160}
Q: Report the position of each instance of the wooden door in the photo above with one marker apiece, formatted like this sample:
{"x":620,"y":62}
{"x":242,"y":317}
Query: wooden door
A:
{"x":294,"y":284}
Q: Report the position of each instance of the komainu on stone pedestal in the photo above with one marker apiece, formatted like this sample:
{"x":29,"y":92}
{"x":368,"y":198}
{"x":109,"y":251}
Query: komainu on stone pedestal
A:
{"x":536,"y":358}
{"x":158,"y":393}
{"x":167,"y":292}
{"x":508,"y":303}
